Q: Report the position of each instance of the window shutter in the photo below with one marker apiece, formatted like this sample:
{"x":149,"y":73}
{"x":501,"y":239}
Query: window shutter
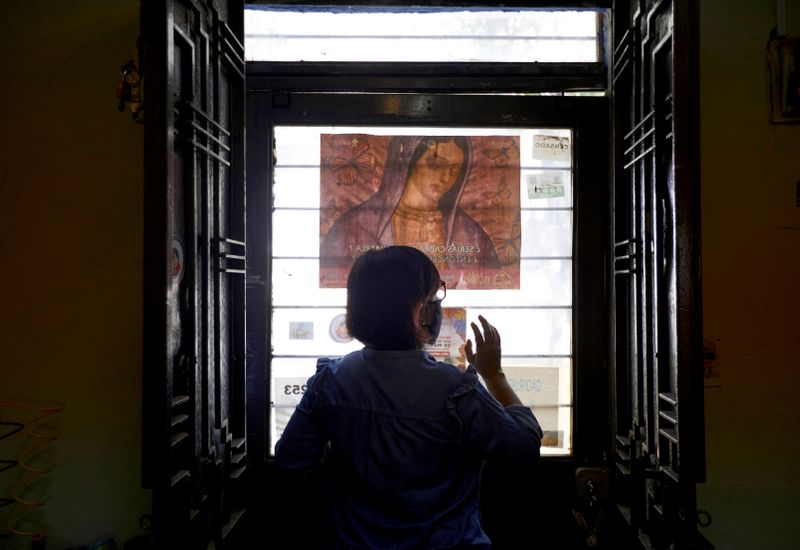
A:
{"x":194,"y":434}
{"x":656,"y":318}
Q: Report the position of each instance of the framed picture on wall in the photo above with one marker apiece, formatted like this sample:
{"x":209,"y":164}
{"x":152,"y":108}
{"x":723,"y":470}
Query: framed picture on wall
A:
{"x":784,"y":80}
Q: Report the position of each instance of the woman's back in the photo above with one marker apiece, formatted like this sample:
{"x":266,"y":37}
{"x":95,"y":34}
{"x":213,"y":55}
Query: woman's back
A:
{"x":403,"y":436}
{"x":408,"y":436}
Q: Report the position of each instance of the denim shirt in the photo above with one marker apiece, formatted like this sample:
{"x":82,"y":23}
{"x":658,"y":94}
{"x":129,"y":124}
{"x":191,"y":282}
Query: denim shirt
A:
{"x":406,"y":437}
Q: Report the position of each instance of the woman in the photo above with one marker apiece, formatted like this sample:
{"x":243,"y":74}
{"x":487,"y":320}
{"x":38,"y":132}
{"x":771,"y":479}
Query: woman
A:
{"x":405,"y":436}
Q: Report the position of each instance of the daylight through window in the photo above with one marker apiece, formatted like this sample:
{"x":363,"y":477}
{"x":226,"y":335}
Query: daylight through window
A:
{"x":420,"y":34}
{"x":501,"y":236}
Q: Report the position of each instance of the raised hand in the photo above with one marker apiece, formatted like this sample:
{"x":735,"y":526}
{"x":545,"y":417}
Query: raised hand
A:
{"x":486,"y":359}
{"x":486,"y":356}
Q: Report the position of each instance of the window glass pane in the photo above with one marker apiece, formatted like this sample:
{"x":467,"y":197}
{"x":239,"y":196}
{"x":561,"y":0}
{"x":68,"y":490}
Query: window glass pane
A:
{"x":538,"y":331}
{"x":530,"y":331}
{"x":322,"y":173}
{"x":414,"y":34}
{"x":548,"y":232}
{"x":295,"y":282}
{"x":295,"y":233}
{"x":296,"y":186}
{"x":308,"y":331}
{"x":543,"y":383}
{"x":289,"y":376}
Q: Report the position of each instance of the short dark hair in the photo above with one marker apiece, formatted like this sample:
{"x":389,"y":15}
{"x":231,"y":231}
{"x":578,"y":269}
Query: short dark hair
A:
{"x":386,"y":289}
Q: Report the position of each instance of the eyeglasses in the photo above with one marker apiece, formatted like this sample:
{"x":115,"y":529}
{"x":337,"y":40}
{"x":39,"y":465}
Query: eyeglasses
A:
{"x":441,"y":292}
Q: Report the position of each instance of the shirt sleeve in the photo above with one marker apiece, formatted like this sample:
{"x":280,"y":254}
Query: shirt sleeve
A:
{"x":508,"y":435}
{"x":302,"y":444}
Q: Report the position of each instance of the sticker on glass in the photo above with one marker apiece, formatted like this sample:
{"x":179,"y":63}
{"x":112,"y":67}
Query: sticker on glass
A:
{"x":547,"y":185}
{"x":552,"y":438}
{"x":449,"y":346}
{"x":288,"y":391}
{"x":286,"y":395}
{"x":537,"y":387}
{"x":556,"y":148}
{"x":338,"y":330}
{"x":301,"y":330}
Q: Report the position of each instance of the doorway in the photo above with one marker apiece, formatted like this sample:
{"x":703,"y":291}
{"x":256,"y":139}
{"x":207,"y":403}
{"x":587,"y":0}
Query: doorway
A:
{"x":558,"y":251}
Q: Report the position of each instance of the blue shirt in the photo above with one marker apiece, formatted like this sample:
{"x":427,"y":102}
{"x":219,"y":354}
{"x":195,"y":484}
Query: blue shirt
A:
{"x":406,"y":437}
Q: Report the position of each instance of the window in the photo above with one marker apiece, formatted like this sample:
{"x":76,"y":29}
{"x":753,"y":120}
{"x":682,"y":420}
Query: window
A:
{"x":519,"y":189}
{"x":320,"y":123}
{"x":419,"y":34}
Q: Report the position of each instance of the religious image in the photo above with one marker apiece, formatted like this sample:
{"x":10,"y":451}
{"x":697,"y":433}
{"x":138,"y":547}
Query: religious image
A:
{"x":455,"y":198}
{"x":449,"y":346}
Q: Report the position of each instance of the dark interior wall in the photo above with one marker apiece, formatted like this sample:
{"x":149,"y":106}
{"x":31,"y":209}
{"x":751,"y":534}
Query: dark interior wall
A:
{"x":71,"y":255}
{"x":751,"y":270}
{"x":71,"y":249}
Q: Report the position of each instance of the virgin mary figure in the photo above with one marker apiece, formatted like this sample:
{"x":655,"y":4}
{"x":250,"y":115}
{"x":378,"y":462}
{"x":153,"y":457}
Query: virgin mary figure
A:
{"x":417,"y":204}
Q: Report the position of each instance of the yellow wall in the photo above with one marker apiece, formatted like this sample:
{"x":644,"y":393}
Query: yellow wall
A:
{"x":751,"y":283}
{"x":70,"y":278}
{"x":70,"y":259}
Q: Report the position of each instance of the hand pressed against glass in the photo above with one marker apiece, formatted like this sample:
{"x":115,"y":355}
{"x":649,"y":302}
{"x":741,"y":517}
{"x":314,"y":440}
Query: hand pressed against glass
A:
{"x":486,"y":356}
{"x":486,"y":359}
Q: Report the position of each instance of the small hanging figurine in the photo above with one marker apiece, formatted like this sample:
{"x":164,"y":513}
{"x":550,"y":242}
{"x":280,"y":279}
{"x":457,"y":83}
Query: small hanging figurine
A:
{"x":130,"y":87}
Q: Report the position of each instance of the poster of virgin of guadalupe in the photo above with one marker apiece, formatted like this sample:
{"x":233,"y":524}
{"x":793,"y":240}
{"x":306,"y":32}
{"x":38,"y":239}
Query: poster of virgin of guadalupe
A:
{"x":455,"y":198}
